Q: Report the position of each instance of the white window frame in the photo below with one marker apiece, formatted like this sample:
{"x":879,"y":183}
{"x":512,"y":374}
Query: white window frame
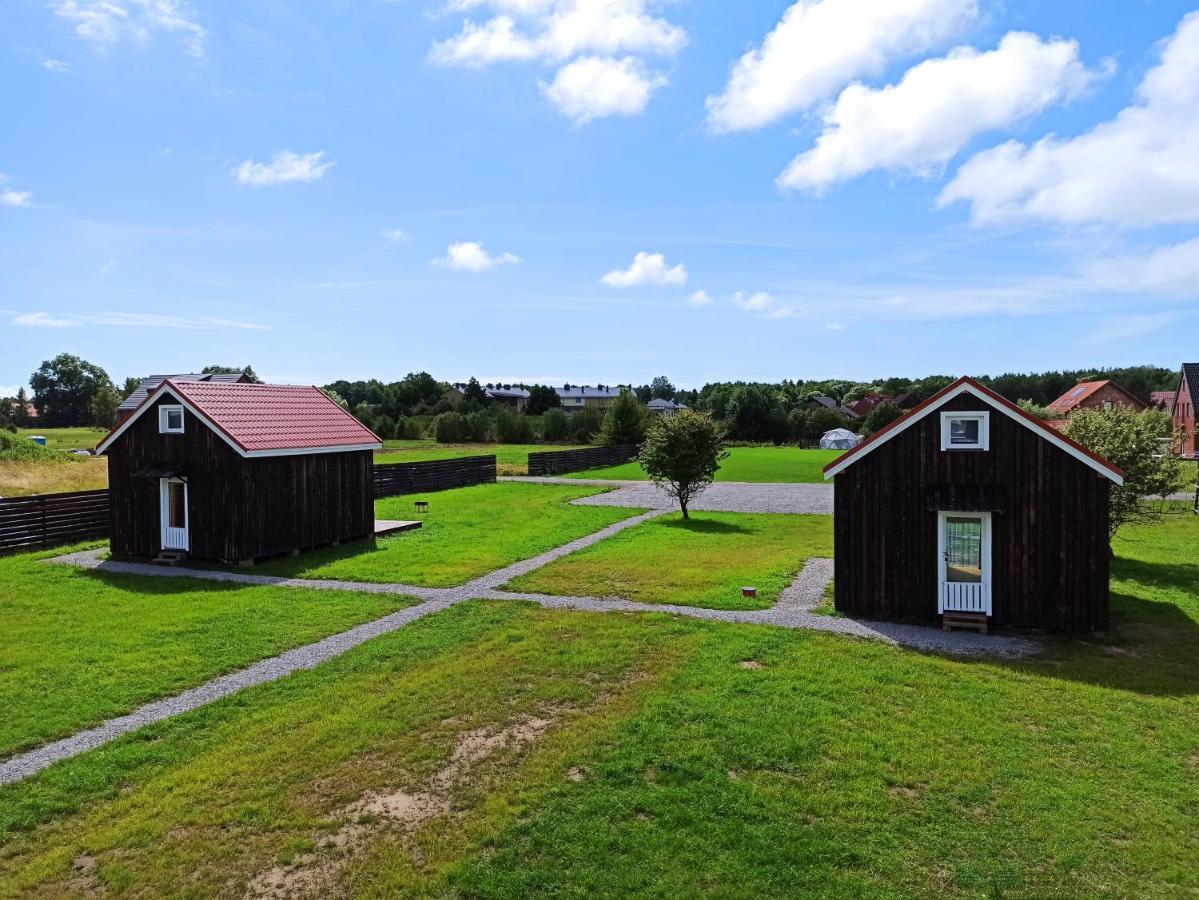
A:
{"x":164,"y":418}
{"x":984,"y":430}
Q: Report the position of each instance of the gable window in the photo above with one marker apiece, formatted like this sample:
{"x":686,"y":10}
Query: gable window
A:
{"x":965,"y":430}
{"x":170,"y":420}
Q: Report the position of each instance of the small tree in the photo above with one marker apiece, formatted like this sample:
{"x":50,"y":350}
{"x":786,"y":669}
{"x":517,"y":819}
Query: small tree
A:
{"x":881,"y":416}
{"x":474,"y":391}
{"x":513,"y":428}
{"x":1037,"y":411}
{"x":554,"y":425}
{"x":1140,"y":444}
{"x":681,"y":453}
{"x":104,"y":406}
{"x":624,"y":422}
{"x":585,"y":424}
{"x":661,"y":389}
{"x":542,"y":399}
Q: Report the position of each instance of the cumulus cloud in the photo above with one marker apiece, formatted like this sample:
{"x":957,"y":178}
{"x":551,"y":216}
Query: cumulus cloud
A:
{"x":136,"y":320}
{"x":106,"y":23}
{"x":646,"y":268}
{"x":700,"y":298}
{"x":284,"y":167}
{"x":819,"y":46}
{"x":592,"y":87}
{"x":471,"y":256}
{"x":11,"y":197}
{"x":919,"y":124}
{"x":597,"y":45}
{"x":760,"y":303}
{"x":1165,"y":270}
{"x":1135,"y":169}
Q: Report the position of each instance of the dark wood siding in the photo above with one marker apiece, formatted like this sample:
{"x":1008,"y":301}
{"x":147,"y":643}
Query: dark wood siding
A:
{"x":238,"y":508}
{"x":1049,"y":549}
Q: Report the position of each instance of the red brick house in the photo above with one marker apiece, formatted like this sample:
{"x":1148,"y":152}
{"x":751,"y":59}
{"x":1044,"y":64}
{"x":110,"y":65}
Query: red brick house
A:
{"x":1095,"y":395}
{"x":1186,"y":402}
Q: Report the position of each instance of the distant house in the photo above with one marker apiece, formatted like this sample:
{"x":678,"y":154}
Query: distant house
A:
{"x":906,"y":400}
{"x":819,"y":401}
{"x":1095,"y":395}
{"x":664,"y":407}
{"x":227,"y":471}
{"x":1163,"y":400}
{"x":517,"y":398}
{"x":1185,"y":404}
{"x":150,"y":384}
{"x":969,"y":508}
{"x":576,"y":397}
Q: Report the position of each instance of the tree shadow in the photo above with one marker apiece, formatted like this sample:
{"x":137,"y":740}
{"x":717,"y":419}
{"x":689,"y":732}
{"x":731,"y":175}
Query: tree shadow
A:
{"x":705,"y":526}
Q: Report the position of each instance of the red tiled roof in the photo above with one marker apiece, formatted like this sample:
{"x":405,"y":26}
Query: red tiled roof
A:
{"x":264,"y":417}
{"x":903,"y":421}
{"x":1074,"y":397}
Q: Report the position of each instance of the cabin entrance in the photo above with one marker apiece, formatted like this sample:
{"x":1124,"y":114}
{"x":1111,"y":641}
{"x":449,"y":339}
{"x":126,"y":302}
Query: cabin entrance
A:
{"x":964,"y":562}
{"x":173,"y":504}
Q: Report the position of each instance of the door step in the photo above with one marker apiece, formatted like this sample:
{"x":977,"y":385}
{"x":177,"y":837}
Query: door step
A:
{"x":169,"y":558}
{"x":964,"y":621}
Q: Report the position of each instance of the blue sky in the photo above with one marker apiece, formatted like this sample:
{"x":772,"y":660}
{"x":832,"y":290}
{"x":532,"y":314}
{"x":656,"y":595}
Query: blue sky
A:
{"x":847,"y":188}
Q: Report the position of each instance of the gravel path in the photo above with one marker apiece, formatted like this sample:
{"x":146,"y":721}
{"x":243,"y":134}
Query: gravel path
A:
{"x":793,"y":610}
{"x":722,"y":496}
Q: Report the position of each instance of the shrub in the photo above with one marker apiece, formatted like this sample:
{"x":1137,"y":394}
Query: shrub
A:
{"x":1139,"y":443}
{"x":1037,"y":411}
{"x":681,"y":454}
{"x":450,"y":428}
{"x":585,"y":424}
{"x":478,"y":427}
{"x":624,"y":422}
{"x":881,"y":416}
{"x":16,"y":448}
{"x":513,"y":428}
{"x":555,"y":425}
{"x":385,"y":427}
{"x":408,"y":429}
{"x":755,"y":413}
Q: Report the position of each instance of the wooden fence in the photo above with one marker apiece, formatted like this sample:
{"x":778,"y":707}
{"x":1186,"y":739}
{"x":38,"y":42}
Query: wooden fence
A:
{"x":433,"y":475}
{"x":559,"y":461}
{"x":44,"y":520}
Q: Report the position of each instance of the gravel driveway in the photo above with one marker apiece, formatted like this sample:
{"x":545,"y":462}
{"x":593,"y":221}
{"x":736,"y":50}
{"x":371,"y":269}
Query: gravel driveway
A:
{"x":722,"y":496}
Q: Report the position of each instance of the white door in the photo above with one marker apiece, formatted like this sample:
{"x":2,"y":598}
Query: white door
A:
{"x":173,"y":503}
{"x":964,"y":562}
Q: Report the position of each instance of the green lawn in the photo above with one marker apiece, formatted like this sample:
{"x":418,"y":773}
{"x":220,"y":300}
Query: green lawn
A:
{"x":573,"y":754}
{"x":67,"y":438}
{"x":467,"y":532}
{"x":703,"y":561}
{"x":512,"y":459}
{"x":760,"y":464}
{"x":78,"y":647}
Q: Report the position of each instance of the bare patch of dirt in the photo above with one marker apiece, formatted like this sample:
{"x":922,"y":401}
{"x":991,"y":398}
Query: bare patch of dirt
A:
{"x":908,"y":793}
{"x":750,"y":664}
{"x":83,"y":878}
{"x":576,"y":774}
{"x":375,"y":811}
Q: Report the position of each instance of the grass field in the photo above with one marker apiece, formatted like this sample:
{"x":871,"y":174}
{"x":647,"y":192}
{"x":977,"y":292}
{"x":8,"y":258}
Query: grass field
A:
{"x":467,"y":532}
{"x":79,"y":647}
{"x":19,"y":478}
{"x":497,"y":749}
{"x":510,"y":459}
{"x":703,"y":561}
{"x":757,"y":464}
{"x":67,"y":438}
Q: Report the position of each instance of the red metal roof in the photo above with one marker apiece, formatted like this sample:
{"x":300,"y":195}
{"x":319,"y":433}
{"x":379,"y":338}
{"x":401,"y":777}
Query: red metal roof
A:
{"x":266,"y":417}
{"x":903,"y":421}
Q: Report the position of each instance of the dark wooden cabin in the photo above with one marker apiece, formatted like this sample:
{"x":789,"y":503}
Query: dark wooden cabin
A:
{"x":970,"y":507}
{"x":234,"y":472}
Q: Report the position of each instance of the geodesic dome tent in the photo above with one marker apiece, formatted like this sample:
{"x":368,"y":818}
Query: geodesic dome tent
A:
{"x":839,"y":439}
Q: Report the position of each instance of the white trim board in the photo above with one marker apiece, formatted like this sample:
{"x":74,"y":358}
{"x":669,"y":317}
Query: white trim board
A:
{"x":911,"y":419}
{"x":165,"y":388}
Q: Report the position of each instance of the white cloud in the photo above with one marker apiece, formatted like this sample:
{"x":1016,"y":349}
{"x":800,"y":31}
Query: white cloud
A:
{"x":9,"y":390}
{"x":834,"y":326}
{"x":1165,"y":270}
{"x":284,"y":167}
{"x":598,"y":46}
{"x":938,"y":106}
{"x":646,"y":268}
{"x":819,"y":46}
{"x":394,"y":235}
{"x":138,"y":320}
{"x":471,"y":256}
{"x":56,"y":65}
{"x":592,"y":87}
{"x":11,"y":197}
{"x":108,"y":268}
{"x":1121,"y":328}
{"x":1135,"y":169}
{"x":700,"y":298}
{"x":760,"y":303}
{"x":106,"y":23}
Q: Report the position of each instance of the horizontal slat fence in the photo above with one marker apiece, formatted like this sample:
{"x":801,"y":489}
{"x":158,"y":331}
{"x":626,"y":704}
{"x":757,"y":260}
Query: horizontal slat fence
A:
{"x":43,"y":520}
{"x":433,"y":475}
{"x":556,"y":462}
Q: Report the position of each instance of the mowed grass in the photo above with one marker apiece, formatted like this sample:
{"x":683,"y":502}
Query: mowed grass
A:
{"x":467,"y":532}
{"x":511,"y":459}
{"x":67,"y":438}
{"x":675,"y":757}
{"x":777,"y":465}
{"x":79,"y":647}
{"x":703,"y":561}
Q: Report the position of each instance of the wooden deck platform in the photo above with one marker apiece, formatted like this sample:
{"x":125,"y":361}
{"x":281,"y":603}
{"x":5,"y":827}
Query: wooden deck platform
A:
{"x":392,"y":526}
